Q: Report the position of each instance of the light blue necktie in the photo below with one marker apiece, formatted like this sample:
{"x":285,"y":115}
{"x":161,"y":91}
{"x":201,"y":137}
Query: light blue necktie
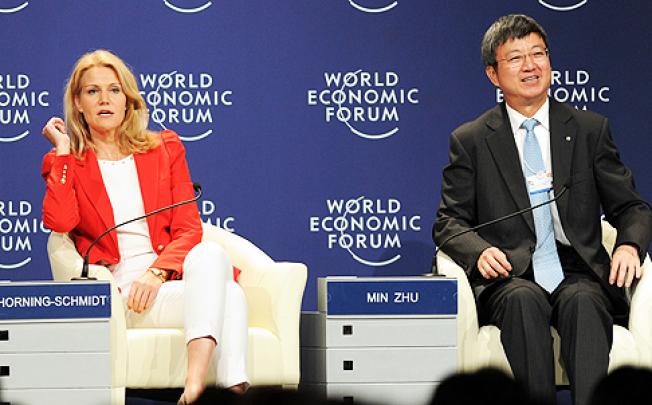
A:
{"x":545,"y":260}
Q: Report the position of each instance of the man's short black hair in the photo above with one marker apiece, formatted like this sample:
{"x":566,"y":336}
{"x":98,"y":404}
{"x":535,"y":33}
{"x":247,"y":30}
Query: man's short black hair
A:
{"x":513,"y":26}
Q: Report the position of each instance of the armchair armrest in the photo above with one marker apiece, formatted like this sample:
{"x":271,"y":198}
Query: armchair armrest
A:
{"x":274,"y":293}
{"x":273,"y":290}
{"x":66,"y":263}
{"x":467,"y":315}
{"x":640,"y":297}
{"x":243,"y":254}
{"x":640,"y":322}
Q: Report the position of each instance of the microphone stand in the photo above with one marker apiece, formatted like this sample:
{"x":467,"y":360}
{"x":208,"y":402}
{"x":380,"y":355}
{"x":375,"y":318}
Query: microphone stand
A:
{"x":435,"y":270}
{"x":84,"y":273}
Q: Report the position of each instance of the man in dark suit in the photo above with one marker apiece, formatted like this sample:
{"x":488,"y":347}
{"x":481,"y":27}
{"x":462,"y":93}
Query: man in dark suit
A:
{"x":547,"y":267}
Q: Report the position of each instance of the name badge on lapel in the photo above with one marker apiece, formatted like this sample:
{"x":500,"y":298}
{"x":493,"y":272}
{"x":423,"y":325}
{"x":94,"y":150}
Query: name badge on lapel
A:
{"x":539,"y":183}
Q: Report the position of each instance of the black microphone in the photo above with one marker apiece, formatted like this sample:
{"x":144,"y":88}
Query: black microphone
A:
{"x":84,"y":273}
{"x":435,"y":270}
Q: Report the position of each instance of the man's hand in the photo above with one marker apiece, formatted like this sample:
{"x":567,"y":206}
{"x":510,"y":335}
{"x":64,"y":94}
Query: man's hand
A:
{"x":143,"y":292}
{"x":493,"y":263}
{"x":625,"y":265}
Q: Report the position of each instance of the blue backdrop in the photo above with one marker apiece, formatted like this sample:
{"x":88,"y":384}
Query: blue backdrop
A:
{"x":319,"y":128}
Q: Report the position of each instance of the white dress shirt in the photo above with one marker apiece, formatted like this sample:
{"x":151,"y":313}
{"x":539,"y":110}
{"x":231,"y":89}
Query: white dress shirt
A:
{"x":136,"y":253}
{"x":542,"y":132}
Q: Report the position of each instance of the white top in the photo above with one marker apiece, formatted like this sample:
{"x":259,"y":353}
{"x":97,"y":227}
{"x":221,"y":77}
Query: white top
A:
{"x":542,"y":132}
{"x":135,"y":246}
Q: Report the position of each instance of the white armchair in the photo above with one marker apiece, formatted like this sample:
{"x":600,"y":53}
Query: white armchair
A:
{"x":481,"y":346}
{"x":156,"y":358}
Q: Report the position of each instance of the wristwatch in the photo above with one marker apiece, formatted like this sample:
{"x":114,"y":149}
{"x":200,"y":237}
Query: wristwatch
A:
{"x":163,"y":275}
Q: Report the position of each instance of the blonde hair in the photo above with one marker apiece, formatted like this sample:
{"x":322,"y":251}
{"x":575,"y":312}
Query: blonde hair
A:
{"x":133,"y":135}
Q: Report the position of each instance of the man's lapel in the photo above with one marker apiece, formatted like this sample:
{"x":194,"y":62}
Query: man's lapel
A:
{"x":562,"y":142}
{"x":503,"y":149}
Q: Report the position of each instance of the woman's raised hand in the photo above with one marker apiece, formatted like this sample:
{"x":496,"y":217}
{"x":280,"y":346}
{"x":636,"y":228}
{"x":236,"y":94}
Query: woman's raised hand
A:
{"x":55,"y":132}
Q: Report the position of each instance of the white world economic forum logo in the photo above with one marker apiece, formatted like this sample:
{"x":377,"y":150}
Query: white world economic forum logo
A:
{"x":576,"y":87}
{"x":19,"y":222}
{"x":187,"y":10}
{"x":385,"y":6}
{"x":364,"y":226}
{"x":366,"y":102}
{"x":7,"y":9}
{"x":18,"y":99}
{"x":183,"y":99}
{"x":561,"y":5}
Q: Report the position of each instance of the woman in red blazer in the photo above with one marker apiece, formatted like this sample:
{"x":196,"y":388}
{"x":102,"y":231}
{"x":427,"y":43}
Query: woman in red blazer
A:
{"x":106,"y":167}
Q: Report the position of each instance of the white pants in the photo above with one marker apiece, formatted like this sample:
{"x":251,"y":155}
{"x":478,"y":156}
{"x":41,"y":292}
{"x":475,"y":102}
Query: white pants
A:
{"x":207,"y":302}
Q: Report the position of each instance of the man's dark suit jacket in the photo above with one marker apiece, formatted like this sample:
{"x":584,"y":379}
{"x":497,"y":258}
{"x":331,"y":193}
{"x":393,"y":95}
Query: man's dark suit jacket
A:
{"x":484,"y":181}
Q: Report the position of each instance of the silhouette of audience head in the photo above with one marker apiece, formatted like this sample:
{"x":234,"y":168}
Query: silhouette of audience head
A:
{"x":625,"y":385}
{"x":485,"y":386}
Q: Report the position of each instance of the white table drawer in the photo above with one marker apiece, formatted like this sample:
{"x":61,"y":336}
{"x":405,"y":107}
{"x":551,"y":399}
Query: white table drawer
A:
{"x":378,"y":364}
{"x":55,"y":370}
{"x":318,"y":330}
{"x":53,"y":336}
{"x":97,"y":396}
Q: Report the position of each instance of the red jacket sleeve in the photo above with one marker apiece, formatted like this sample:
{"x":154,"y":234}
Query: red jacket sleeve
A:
{"x":60,"y":208}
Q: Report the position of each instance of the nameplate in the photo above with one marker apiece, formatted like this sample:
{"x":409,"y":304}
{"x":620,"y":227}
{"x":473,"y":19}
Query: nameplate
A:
{"x":54,"y":300}
{"x":388,"y":296}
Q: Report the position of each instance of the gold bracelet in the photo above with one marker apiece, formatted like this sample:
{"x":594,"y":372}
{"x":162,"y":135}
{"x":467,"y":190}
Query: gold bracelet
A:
{"x":159,"y":273}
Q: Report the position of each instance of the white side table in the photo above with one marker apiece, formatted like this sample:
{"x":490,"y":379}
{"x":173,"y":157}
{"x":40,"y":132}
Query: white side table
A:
{"x":386,"y":340}
{"x":54,"y":343}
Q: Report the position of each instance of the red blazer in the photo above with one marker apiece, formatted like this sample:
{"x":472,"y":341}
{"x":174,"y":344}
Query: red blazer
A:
{"x":77,"y":202}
